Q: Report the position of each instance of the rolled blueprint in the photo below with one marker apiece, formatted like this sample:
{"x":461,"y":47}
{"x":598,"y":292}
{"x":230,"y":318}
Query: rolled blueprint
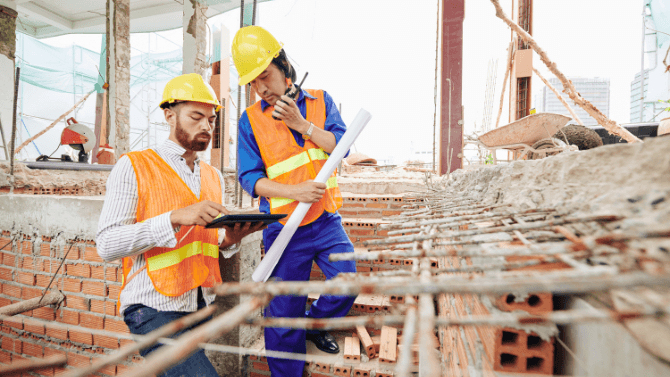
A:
{"x":267,"y":265}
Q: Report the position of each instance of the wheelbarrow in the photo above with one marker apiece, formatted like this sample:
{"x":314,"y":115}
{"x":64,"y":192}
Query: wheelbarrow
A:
{"x":531,"y":136}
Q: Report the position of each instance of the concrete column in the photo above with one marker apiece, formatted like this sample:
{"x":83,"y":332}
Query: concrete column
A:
{"x":195,"y":37}
{"x":238,"y":268}
{"x":118,"y":74}
{"x":7,"y":50}
{"x":220,"y":81}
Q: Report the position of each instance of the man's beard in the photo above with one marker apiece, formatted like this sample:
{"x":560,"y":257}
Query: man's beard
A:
{"x":192,"y":145}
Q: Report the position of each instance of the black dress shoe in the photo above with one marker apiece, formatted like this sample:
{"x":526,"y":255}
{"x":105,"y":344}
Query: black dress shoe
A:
{"x":324,"y":341}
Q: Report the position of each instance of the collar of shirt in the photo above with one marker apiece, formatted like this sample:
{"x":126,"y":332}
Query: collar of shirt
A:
{"x":170,"y":148}
{"x":301,"y":97}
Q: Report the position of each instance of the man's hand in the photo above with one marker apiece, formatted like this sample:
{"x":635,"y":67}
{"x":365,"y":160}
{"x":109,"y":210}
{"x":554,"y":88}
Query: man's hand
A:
{"x":288,"y":111}
{"x":201,"y":213}
{"x":308,"y":191}
{"x":235,"y":234}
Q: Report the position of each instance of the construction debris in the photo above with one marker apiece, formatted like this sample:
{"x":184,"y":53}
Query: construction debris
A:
{"x":569,"y":88}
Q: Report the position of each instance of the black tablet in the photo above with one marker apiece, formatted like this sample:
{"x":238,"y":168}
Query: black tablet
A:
{"x":231,"y":220}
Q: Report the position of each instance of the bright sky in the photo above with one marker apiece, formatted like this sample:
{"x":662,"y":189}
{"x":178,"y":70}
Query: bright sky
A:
{"x":380,"y":55}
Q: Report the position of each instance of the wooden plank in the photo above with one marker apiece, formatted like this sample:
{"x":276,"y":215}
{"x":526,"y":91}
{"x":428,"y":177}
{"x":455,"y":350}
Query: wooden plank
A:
{"x":389,"y":342}
{"x":367,"y":342}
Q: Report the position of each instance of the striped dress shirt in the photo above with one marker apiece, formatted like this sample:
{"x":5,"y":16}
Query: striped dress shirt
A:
{"x":119,"y":234}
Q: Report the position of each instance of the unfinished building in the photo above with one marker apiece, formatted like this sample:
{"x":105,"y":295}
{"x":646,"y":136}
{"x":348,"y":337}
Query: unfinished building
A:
{"x":551,"y":266}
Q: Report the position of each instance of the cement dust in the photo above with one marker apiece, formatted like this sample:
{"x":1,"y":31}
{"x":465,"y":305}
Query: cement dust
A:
{"x":630,"y":180}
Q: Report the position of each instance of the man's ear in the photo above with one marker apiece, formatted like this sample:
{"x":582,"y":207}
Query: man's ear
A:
{"x":170,"y":116}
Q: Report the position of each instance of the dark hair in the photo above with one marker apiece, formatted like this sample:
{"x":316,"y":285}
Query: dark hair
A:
{"x":174,"y":106}
{"x":281,"y":61}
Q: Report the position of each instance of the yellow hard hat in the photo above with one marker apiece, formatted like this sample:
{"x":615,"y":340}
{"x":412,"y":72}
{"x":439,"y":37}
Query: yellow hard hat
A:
{"x":253,"y":50}
{"x":189,"y":87}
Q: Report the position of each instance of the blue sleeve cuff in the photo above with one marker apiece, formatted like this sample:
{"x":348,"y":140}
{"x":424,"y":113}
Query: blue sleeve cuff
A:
{"x":249,"y":179}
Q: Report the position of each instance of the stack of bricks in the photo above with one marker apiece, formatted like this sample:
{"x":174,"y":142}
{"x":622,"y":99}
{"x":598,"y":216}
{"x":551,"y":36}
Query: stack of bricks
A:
{"x":91,"y":288}
{"x":371,"y":206}
{"x":519,"y":351}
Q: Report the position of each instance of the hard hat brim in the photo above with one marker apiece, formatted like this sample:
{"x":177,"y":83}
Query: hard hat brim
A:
{"x":244,"y":80}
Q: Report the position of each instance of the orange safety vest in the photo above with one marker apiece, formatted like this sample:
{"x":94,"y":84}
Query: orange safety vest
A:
{"x":194,"y":261}
{"x":288,"y":163}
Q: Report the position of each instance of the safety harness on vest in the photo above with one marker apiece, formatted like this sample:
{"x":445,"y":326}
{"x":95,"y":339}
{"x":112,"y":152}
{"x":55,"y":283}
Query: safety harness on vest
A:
{"x":288,"y":163}
{"x":194,"y":261}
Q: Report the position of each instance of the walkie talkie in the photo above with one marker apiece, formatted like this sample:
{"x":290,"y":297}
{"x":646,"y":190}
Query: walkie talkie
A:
{"x":292,"y":93}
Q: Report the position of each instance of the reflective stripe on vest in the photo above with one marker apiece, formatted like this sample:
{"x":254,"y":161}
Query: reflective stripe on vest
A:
{"x":278,"y":202}
{"x":295,"y":162}
{"x":173,"y":257}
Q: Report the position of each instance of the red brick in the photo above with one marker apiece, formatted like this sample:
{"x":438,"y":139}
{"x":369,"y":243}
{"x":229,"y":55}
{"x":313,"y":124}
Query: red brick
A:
{"x":81,"y":337}
{"x":91,"y":321}
{"x":109,"y":370}
{"x":106,"y":341}
{"x":91,"y":255}
{"x":34,"y":328}
{"x":56,"y":333}
{"x":116,"y":325}
{"x":535,"y":303}
{"x":8,"y":259}
{"x":42,"y":280}
{"x":8,"y":344}
{"x":50,"y":352}
{"x":6,"y":274}
{"x":45,"y":249}
{"x":73,"y":253}
{"x":110,"y":308}
{"x":29,"y":293}
{"x":71,"y":285}
{"x":32,"y":349}
{"x":6,"y":243}
{"x":5,"y":357}
{"x":376,"y":205}
{"x":49,"y":371}
{"x":391,"y":213}
{"x":44,"y":312}
{"x":362,"y":232}
{"x":26,"y":278}
{"x":122,"y":369}
{"x":68,"y":316}
{"x":114,"y":291}
{"x":11,"y":290}
{"x":27,"y":263}
{"x":27,"y":247}
{"x":98,"y":306}
{"x":98,"y":272}
{"x":5,"y":301}
{"x":77,"y":302}
{"x":94,"y":288}
{"x":262,"y":366}
{"x":77,"y":360}
{"x":82,"y":270}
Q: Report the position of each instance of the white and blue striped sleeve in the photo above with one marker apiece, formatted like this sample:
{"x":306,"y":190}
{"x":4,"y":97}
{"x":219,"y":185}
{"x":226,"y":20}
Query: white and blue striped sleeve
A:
{"x":119,"y":235}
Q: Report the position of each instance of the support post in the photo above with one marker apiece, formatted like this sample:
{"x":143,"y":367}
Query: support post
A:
{"x":220,"y":82}
{"x":7,"y":50}
{"x":195,"y":37}
{"x":118,"y":75}
{"x":451,"y":109}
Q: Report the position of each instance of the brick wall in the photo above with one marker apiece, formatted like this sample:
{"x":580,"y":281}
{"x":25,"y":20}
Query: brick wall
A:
{"x":90,"y":286}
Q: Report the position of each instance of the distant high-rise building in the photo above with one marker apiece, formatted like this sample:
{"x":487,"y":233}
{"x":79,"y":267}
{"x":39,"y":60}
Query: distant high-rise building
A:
{"x":635,"y":96}
{"x":595,"y":90}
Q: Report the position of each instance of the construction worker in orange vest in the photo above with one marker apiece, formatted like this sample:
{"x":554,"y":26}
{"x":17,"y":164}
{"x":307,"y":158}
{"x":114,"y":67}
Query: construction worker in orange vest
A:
{"x":278,"y":159}
{"x":156,"y":206}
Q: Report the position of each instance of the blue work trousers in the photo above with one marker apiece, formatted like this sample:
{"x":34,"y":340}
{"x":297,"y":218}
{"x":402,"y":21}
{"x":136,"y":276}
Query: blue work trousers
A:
{"x":142,"y":319}
{"x":312,"y":242}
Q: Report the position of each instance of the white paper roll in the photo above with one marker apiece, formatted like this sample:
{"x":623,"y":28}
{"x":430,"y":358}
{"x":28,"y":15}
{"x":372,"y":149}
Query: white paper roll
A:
{"x":267,"y":265}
